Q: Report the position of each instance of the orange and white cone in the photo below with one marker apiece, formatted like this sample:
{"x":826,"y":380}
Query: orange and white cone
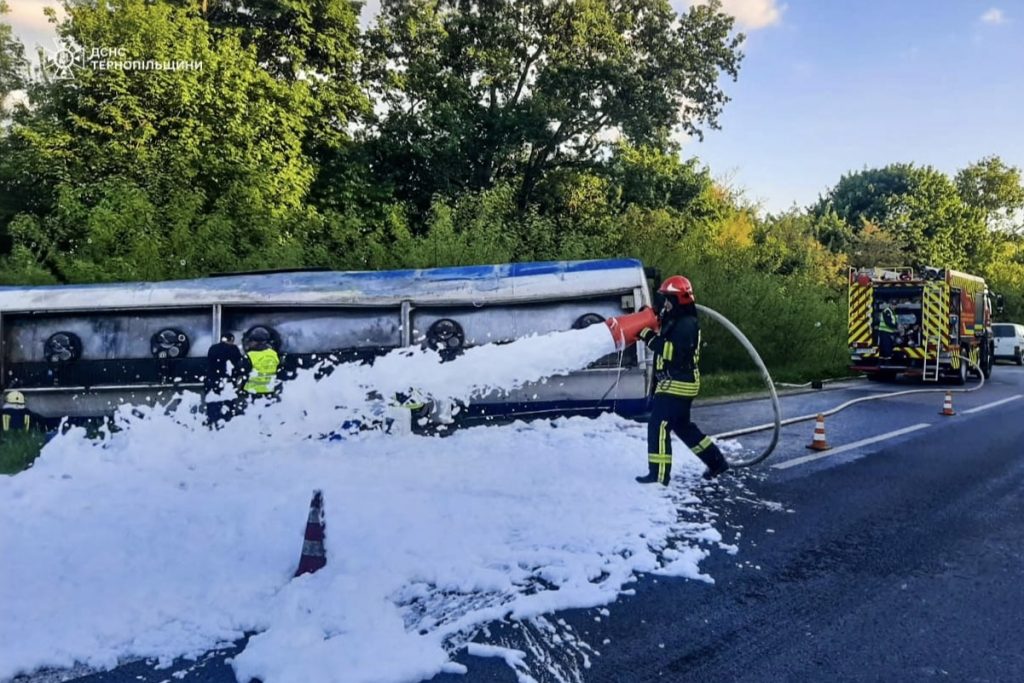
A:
{"x":818,"y":442}
{"x":947,"y":405}
{"x":314,"y":556}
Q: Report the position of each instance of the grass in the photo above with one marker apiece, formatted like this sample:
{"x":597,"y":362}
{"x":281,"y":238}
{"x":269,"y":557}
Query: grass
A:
{"x":713,"y":385}
{"x":18,"y":450}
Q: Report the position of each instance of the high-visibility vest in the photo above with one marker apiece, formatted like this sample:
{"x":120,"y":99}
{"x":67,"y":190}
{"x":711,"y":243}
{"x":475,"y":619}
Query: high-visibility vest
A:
{"x":15,"y":419}
{"x":264,"y":371}
{"x":887,"y":321}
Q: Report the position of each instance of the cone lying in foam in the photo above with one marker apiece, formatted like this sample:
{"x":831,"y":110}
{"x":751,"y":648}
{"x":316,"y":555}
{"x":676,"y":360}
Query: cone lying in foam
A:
{"x":947,"y":405}
{"x":625,"y":329}
{"x":314,"y":555}
{"x":818,"y":441}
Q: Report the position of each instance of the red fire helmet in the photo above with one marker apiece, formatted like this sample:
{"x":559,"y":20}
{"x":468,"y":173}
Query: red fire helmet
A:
{"x":679,"y":288}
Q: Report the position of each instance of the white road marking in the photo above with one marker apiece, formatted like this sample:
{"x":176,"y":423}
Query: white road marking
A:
{"x":992,"y":405}
{"x":850,"y":446}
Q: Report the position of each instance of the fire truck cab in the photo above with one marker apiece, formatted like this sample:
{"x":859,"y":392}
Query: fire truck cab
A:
{"x":934,"y":319}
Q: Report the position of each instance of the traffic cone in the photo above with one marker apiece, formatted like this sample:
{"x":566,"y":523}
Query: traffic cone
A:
{"x":626,"y":328}
{"x":947,"y":405}
{"x":314,"y":556}
{"x":818,"y":442}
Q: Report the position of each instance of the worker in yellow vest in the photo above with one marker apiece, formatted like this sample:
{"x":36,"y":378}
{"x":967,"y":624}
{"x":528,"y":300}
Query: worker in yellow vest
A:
{"x":14,"y":415}
{"x":260,"y":365}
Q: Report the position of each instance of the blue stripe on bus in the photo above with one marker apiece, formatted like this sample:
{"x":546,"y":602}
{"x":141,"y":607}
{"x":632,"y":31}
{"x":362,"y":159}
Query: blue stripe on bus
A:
{"x":278,"y":281}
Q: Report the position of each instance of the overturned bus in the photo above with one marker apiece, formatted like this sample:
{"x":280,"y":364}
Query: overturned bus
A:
{"x":83,"y":350}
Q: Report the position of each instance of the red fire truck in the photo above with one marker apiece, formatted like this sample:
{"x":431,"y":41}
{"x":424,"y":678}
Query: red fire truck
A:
{"x":933,"y":319}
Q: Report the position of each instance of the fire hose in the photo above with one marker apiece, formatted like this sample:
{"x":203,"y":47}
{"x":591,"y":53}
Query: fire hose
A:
{"x":778,"y":424}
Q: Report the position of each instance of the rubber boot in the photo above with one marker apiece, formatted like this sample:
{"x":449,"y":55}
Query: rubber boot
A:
{"x":652,"y":475}
{"x":713,"y":458}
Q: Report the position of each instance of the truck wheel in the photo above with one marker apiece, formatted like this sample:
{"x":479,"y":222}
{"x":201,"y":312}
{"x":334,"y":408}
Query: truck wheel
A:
{"x":987,"y":362}
{"x":1020,"y":357}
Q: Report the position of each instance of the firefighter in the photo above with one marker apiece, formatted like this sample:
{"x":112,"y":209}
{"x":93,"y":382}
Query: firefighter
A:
{"x":223,"y":366}
{"x":886,"y":331}
{"x":15,"y":416}
{"x":676,"y":348}
{"x":260,"y":365}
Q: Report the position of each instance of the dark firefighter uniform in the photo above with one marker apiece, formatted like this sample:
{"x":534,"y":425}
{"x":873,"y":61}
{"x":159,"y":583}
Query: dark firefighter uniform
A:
{"x":676,"y":349}
{"x":223,"y":365}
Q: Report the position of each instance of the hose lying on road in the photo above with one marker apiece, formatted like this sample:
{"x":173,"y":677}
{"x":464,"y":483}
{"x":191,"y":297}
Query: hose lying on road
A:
{"x":842,"y":406}
{"x":787,"y":385}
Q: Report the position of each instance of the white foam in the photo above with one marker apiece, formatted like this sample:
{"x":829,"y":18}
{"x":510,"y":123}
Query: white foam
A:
{"x":165,"y":539}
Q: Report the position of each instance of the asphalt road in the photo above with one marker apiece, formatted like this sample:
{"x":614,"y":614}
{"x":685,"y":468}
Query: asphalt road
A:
{"x":898,"y":559}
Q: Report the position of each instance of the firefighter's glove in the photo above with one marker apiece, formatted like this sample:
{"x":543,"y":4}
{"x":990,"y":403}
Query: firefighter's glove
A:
{"x":647,"y":334}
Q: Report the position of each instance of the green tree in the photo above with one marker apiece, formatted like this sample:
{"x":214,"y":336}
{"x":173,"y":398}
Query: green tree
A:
{"x":787,"y":244}
{"x":123,"y":174}
{"x":919,"y":207}
{"x":1006,"y":276}
{"x":475,"y":92}
{"x":996,"y":189}
{"x":875,"y":247}
{"x":660,"y":179}
{"x":315,"y":42}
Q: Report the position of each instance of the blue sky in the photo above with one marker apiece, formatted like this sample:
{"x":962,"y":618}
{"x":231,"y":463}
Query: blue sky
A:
{"x":830,"y":86}
{"x":833,"y":86}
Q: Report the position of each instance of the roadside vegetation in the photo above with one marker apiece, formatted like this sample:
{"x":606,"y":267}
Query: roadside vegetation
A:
{"x":18,"y":450}
{"x":547,"y":130}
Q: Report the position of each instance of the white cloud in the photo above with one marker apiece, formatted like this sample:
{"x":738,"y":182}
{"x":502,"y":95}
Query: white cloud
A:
{"x":750,"y":14}
{"x":993,"y":16}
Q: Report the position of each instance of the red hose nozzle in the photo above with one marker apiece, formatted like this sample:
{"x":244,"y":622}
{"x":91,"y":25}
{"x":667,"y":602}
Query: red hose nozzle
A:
{"x":625,"y":329}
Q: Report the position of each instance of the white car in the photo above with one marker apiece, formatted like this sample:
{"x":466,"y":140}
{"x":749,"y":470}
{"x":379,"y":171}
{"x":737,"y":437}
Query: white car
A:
{"x":1009,"y":340}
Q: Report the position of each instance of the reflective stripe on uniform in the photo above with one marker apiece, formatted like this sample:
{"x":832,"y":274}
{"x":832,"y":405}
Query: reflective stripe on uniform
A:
{"x":668,"y":350}
{"x":7,"y":421}
{"x":704,"y":444}
{"x":664,"y":454}
{"x":674,"y":387}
